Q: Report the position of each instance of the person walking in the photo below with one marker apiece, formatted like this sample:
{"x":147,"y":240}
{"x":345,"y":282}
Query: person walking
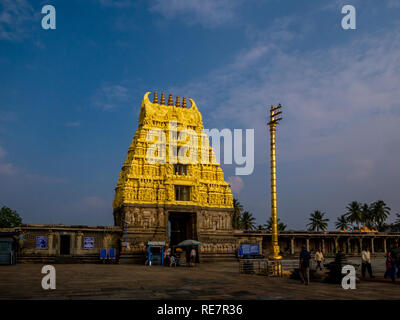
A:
{"x":304,"y":266}
{"x":319,"y":257}
{"x":388,"y":263}
{"x":366,"y":263}
{"x":193,"y":256}
{"x":394,"y":260}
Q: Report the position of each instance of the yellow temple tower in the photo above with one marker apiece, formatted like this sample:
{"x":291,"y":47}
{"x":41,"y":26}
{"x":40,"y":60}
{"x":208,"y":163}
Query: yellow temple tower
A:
{"x":170,"y":187}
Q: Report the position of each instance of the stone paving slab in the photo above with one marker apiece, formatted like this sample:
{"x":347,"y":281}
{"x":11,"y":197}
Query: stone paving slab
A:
{"x":205,"y":281}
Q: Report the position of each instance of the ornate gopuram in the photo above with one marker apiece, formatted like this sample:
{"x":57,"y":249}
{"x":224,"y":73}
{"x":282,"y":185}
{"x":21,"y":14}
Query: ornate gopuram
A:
{"x":170,"y":187}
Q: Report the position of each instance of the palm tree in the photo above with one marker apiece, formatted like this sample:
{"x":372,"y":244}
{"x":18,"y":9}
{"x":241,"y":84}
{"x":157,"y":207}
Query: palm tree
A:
{"x":281,"y":225}
{"x":342,"y":223}
{"x":354,"y":213}
{"x":247,"y":221}
{"x":398,"y":218}
{"x":395,"y":226}
{"x":380,"y":213}
{"x":237,"y":211}
{"x":317,"y":221}
{"x":261,"y":227}
{"x":367,"y":218}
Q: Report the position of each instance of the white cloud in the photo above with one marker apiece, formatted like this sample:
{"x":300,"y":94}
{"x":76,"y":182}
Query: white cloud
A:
{"x":6,"y":168}
{"x":341,"y":112}
{"x":109,"y":97}
{"x":9,"y":169}
{"x":236,"y":184}
{"x":73,"y":124}
{"x":116,"y":3}
{"x":94,"y":202}
{"x":208,"y":13}
{"x":16,"y":16}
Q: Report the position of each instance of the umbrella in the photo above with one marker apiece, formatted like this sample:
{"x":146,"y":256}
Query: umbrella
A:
{"x":187,"y":243}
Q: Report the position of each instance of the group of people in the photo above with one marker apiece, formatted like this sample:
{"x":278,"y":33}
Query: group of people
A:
{"x":392,"y":263}
{"x":170,"y":259}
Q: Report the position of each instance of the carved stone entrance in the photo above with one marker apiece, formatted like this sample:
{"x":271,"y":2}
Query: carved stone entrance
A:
{"x":181,"y":226}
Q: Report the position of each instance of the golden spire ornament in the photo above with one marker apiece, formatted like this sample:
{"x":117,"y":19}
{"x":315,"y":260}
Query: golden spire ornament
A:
{"x":162,"y":99}
{"x":184,"y":103}
{"x":275,"y":116}
{"x":170,"y":101}
{"x":155,"y":98}
{"x":177,"y":103}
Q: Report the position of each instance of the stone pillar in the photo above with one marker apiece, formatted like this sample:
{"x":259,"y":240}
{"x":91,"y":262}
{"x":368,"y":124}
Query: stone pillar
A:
{"x":336,"y":240}
{"x":323,"y":246}
{"x":348,"y":245}
{"x":73,"y":243}
{"x":308,"y":244}
{"x":384,"y":245}
{"x":50,"y":243}
{"x":292,"y":245}
{"x":372,"y":245}
{"x":79,"y":242}
{"x":361,"y":243}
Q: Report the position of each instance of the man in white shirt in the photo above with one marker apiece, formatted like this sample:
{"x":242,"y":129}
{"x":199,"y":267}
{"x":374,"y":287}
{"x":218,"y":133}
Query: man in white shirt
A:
{"x":319,"y":257}
{"x":193,"y":257}
{"x":366,"y":263}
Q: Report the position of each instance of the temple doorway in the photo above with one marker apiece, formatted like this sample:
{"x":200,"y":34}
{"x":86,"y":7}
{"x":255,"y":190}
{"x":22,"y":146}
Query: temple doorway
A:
{"x":65,"y":244}
{"x":181,"y":226}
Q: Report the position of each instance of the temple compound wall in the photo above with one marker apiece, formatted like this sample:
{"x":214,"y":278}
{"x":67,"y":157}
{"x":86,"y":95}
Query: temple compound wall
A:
{"x":41,"y":243}
{"x":82,"y":244}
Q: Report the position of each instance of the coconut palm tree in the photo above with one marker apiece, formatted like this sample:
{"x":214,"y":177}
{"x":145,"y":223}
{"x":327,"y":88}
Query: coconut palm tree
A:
{"x":237,"y":211}
{"x":380,"y":213}
{"x":317,"y":221}
{"x":367,"y":217}
{"x":342,"y":223}
{"x":281,"y":225}
{"x":353,"y":213}
{"x":247,"y":221}
{"x":261,"y":227}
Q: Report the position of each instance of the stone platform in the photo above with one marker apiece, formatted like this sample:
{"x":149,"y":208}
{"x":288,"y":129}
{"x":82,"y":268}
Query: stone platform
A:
{"x":205,"y":281}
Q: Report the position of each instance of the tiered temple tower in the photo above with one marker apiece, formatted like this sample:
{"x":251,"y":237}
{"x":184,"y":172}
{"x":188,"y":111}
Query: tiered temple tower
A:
{"x":170,"y":187}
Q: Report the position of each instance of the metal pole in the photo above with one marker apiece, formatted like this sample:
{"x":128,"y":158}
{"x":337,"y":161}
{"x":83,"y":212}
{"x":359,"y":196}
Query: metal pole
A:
{"x":274,"y":119}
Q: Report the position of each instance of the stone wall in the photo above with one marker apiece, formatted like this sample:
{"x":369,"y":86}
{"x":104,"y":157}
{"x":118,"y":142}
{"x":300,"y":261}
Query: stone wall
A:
{"x":104,"y":237}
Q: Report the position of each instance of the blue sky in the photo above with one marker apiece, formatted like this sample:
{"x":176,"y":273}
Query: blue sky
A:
{"x":70,"y":97}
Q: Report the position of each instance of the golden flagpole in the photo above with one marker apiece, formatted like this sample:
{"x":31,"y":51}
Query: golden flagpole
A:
{"x":275,"y":117}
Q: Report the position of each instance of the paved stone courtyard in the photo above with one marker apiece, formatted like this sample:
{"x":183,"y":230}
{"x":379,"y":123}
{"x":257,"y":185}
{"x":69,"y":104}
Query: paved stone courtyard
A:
{"x":205,"y":281}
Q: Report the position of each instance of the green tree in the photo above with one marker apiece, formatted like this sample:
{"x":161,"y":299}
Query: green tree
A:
{"x":281,"y":225}
{"x":317,"y":221}
{"x":261,"y":227}
{"x":395,"y":226}
{"x":367,"y":217}
{"x":9,"y":218}
{"x":380,"y":212}
{"x":353,"y":213}
{"x":342,"y":223}
{"x":247,"y":221}
{"x":237,"y":212}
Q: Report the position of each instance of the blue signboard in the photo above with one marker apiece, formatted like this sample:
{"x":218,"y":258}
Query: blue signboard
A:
{"x":88,"y":243}
{"x":41,"y":242}
{"x":254,"y":249}
{"x":250,"y":249}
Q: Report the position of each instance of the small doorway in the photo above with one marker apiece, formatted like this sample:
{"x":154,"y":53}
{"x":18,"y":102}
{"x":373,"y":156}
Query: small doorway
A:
{"x":65,"y":244}
{"x":181,"y":226}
